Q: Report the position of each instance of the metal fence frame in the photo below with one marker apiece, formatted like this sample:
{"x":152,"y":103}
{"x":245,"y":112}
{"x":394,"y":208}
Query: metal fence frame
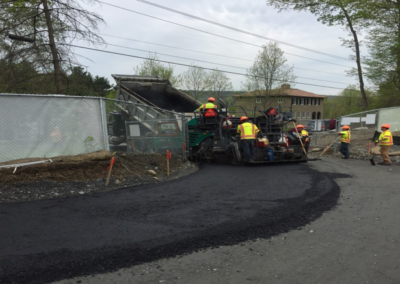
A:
{"x":140,"y":112}
{"x":393,"y":120}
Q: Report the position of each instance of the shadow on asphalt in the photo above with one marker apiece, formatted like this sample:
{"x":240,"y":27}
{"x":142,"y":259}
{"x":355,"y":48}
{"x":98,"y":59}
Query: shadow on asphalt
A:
{"x":50,"y":240}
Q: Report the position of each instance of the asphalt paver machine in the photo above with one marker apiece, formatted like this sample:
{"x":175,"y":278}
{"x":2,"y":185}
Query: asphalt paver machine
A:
{"x":215,"y":139}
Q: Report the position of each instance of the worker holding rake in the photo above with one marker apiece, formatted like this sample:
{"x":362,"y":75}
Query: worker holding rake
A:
{"x":345,"y":137}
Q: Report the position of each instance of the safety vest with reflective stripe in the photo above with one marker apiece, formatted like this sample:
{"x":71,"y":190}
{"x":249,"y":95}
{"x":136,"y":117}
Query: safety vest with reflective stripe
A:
{"x":207,"y":106}
{"x":304,"y":133}
{"x":387,"y":138}
{"x":345,"y":136}
{"x":247,"y":130}
{"x":210,"y":109}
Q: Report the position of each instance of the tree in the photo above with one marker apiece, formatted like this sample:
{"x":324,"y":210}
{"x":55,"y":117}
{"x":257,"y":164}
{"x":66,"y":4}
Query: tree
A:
{"x":384,"y":49}
{"x":151,"y":67}
{"x":195,"y":81}
{"x":347,"y":102}
{"x":52,"y":26}
{"x":269,"y":72}
{"x":218,"y":83}
{"x":347,"y":13}
{"x":82,"y":83}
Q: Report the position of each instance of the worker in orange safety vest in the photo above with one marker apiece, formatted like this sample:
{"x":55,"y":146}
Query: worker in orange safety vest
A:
{"x":210,"y":109}
{"x":304,"y":134}
{"x":248,"y":132}
{"x":385,"y":142}
{"x":345,"y":137}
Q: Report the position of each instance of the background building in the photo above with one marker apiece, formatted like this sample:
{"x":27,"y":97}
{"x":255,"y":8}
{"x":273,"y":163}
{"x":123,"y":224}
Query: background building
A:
{"x":303,"y":105}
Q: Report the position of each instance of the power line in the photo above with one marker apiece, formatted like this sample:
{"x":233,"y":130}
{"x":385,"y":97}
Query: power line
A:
{"x":175,"y":47}
{"x":181,"y":64}
{"x":180,"y":57}
{"x":198,"y":51}
{"x":241,"y":31}
{"x":217,"y":34}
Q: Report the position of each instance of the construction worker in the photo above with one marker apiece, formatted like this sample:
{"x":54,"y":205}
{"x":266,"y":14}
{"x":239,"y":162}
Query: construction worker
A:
{"x":248,"y":132}
{"x":385,"y":142}
{"x":345,"y":137}
{"x":304,"y":133}
{"x":210,"y":109}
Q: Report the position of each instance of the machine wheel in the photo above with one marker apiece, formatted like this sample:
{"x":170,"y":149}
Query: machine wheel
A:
{"x":236,"y":152}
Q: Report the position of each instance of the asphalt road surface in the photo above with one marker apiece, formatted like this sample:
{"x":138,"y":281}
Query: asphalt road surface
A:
{"x":223,"y":224}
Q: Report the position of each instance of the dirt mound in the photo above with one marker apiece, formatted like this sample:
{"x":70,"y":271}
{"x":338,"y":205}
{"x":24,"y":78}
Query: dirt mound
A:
{"x":82,"y":174}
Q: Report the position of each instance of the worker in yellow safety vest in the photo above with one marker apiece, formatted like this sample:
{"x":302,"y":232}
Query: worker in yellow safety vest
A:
{"x":209,"y":108}
{"x":345,"y":137}
{"x":385,"y":142}
{"x":304,"y":134}
{"x":248,"y":133}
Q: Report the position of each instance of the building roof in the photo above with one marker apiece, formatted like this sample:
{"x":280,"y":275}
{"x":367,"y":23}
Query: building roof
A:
{"x":284,"y":92}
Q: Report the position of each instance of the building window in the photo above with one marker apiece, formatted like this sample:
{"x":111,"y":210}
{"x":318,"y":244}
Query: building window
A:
{"x":314,"y":115}
{"x":258,"y":101}
{"x":318,"y":115}
{"x":302,"y":101}
{"x":317,"y":102}
{"x":304,"y":114}
{"x":309,"y":101}
{"x":293,"y":101}
{"x":280,"y":100}
{"x":294,"y":114}
{"x":308,"y":114}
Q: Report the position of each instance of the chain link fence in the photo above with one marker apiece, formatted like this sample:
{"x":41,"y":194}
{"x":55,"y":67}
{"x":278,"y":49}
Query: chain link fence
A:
{"x":45,"y":126}
{"x":140,"y":129}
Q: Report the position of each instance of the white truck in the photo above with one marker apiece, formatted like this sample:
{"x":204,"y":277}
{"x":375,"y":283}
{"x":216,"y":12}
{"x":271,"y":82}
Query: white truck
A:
{"x":317,"y":125}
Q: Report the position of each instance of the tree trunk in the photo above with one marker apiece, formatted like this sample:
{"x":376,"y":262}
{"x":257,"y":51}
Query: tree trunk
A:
{"x":56,"y":60}
{"x":358,"y":59}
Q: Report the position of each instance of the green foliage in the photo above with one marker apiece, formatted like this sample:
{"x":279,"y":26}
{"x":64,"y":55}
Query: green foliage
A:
{"x":151,"y":67}
{"x":67,"y":20}
{"x":82,"y":83}
{"x":347,"y":102}
{"x":349,"y":14}
{"x":89,"y":144}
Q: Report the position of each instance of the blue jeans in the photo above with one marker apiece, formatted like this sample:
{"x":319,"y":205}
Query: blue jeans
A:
{"x":344,"y":149}
{"x":248,"y":148}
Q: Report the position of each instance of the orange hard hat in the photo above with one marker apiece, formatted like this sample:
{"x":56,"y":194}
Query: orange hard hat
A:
{"x":211,"y":99}
{"x":243,"y":118}
{"x":345,"y":127}
{"x":300,"y":126}
{"x":387,"y":126}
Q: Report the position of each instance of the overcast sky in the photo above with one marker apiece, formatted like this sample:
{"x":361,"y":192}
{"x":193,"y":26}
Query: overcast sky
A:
{"x":300,"y":29}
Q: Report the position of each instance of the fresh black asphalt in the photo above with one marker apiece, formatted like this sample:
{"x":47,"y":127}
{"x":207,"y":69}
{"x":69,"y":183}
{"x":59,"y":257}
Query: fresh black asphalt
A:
{"x":49,"y":240}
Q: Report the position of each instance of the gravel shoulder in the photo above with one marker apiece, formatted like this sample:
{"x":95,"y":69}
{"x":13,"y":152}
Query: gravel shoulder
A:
{"x":357,"y":242}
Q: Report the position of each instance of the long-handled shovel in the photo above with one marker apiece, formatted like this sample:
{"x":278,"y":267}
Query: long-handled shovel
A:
{"x":371,"y":155}
{"x":301,"y":142}
{"x":327,"y":147}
